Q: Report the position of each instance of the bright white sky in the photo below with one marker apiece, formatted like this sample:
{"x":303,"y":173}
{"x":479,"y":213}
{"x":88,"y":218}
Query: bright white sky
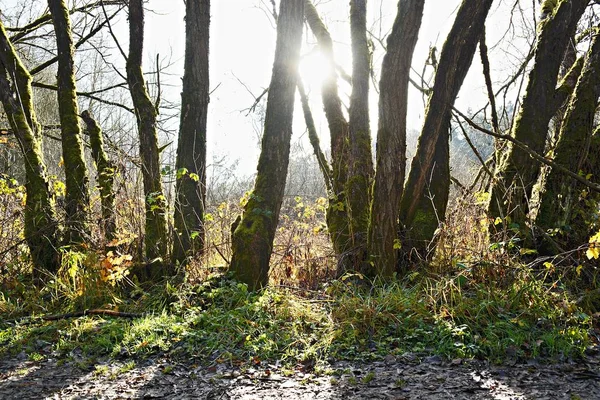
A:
{"x":242,"y":47}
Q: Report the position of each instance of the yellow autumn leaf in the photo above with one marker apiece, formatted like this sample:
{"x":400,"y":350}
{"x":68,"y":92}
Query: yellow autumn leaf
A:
{"x":594,"y":250}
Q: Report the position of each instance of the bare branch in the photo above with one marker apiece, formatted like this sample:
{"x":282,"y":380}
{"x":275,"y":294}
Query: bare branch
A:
{"x":591,"y":185}
{"x":111,"y":30}
{"x":79,"y":43}
{"x":89,"y":95}
{"x":47,"y":18}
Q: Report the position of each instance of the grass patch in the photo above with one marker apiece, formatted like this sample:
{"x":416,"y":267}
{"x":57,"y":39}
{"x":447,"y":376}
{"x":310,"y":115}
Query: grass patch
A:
{"x":219,"y":320}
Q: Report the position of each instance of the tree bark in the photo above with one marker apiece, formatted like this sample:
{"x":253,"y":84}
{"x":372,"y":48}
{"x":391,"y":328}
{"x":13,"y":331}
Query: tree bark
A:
{"x":516,"y":173}
{"x":360,"y":163}
{"x":313,"y":137}
{"x":425,"y":196}
{"x":252,"y":241}
{"x":41,"y":227}
{"x":190,"y":165}
{"x":337,"y":210}
{"x":77,"y":198}
{"x":391,"y":136}
{"x":561,"y":203}
{"x":156,"y":241}
{"x":105,"y":177}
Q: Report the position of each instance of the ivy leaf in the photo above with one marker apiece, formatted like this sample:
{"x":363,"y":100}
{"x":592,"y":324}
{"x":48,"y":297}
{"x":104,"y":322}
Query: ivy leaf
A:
{"x":181,"y":172}
{"x":527,"y":252}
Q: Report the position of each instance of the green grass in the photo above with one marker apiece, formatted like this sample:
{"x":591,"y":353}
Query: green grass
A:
{"x":219,"y":320}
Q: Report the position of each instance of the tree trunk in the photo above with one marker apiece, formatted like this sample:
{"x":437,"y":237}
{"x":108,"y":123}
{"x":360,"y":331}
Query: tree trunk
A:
{"x":106,"y":175}
{"x":425,"y":196}
{"x":569,"y":60}
{"x":418,"y":236}
{"x":516,"y":173}
{"x":253,"y":237}
{"x":360,"y":163}
{"x":41,"y":228}
{"x":77,"y":198}
{"x":190,"y":165}
{"x":313,"y":137}
{"x":559,"y":203}
{"x":155,"y":240}
{"x":391,"y":136}
{"x":337,"y":215}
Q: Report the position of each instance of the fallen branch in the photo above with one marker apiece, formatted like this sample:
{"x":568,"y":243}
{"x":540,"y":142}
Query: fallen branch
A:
{"x":76,"y":314}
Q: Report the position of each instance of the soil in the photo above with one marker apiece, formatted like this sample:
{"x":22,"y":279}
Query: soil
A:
{"x":405,"y":377}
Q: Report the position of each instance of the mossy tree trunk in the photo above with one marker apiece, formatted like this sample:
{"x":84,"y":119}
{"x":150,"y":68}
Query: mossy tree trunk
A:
{"x":106,"y":175}
{"x":41,"y":228}
{"x":425,"y":196}
{"x":418,"y":230}
{"x":360,"y":163}
{"x":190,"y":165}
{"x":516,"y":172}
{"x":570,"y":59}
{"x":253,"y":236}
{"x":337,"y":215}
{"x":156,"y":237}
{"x":562,"y":203}
{"x":77,"y":199}
{"x":391,"y":136}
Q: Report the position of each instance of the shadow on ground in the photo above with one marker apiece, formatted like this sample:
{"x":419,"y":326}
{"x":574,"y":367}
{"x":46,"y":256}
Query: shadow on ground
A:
{"x":406,"y":377}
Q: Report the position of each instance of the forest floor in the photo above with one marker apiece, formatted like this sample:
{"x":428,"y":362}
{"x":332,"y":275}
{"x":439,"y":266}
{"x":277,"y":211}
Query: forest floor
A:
{"x":409,"y":376}
{"x":219,"y":341}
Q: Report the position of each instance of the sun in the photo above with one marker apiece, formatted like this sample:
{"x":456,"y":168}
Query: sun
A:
{"x":314,"y":69}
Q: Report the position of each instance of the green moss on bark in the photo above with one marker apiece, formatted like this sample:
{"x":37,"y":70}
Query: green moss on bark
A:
{"x":156,"y":233}
{"x":188,"y":239}
{"x":517,"y":173}
{"x":106,"y":175}
{"x":360,"y":162}
{"x":253,"y":244}
{"x":253,"y":237}
{"x":77,"y":192}
{"x":566,"y":205}
{"x":426,"y":190}
{"x":337,"y":210}
{"x":41,"y":227}
{"x":430,"y":209}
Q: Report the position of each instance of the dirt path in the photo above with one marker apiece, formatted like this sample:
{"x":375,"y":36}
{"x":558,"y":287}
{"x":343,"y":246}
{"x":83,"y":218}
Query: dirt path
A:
{"x":403,"y":378}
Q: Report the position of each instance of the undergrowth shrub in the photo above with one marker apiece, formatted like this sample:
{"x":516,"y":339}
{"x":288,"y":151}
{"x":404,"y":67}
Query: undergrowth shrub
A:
{"x":475,"y":299}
